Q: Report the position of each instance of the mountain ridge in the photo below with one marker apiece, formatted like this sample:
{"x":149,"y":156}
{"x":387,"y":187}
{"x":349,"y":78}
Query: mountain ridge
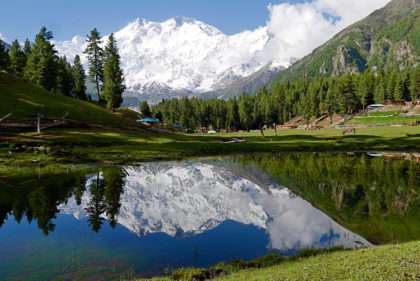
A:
{"x":181,"y":56}
{"x":365,"y":44}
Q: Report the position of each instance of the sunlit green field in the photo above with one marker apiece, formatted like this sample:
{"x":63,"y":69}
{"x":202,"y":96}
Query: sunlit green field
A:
{"x":387,"y":117}
{"x":119,"y":146}
{"x":383,"y":131}
{"x":399,"y":262}
{"x":387,"y":263}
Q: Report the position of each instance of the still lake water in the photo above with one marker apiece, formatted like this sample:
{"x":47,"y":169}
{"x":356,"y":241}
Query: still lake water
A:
{"x":104,"y":223}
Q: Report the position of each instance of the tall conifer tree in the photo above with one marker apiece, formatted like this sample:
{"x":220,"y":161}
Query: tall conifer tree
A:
{"x":145,"y":109}
{"x":27,"y":48}
{"x":17,"y":58}
{"x":65,"y":82}
{"x":4,"y":57}
{"x":41,"y":67}
{"x":79,"y":76}
{"x":113,"y":75}
{"x":95,"y":55}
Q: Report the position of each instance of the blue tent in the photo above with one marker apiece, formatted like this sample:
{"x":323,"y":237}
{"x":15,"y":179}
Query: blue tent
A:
{"x":149,"y":120}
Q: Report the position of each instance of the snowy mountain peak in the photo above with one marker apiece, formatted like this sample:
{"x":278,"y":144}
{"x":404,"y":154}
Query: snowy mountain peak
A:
{"x":183,"y":55}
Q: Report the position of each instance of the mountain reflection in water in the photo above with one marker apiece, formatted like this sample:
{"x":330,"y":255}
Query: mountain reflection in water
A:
{"x":147,"y":218}
{"x":189,"y":198}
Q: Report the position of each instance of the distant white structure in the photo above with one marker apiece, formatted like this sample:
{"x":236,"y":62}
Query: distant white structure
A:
{"x":375,"y":106}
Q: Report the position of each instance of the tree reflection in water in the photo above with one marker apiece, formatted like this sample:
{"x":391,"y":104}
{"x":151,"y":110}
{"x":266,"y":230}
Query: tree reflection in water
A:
{"x":38,"y":197}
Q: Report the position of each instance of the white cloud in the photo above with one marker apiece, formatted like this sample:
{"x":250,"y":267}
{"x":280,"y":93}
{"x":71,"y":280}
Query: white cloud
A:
{"x":2,"y":37}
{"x":297,"y":29}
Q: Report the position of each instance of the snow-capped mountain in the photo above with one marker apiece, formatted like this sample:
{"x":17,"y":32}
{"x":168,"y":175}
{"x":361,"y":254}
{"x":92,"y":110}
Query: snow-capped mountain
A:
{"x":182,"y":56}
{"x":190,"y":198}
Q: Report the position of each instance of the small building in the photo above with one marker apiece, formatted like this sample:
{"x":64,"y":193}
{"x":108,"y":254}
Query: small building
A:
{"x":149,"y":121}
{"x":177,"y":126}
{"x":375,"y":106}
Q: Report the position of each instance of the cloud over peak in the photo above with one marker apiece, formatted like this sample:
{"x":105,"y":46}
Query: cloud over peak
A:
{"x":298,"y":28}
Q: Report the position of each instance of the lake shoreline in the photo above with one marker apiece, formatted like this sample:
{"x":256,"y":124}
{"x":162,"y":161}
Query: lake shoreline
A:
{"x":389,"y":262}
{"x":128,"y":147}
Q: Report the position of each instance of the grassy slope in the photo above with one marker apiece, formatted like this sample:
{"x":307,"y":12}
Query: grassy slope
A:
{"x":386,"y":263}
{"x":398,"y":262}
{"x":26,"y":101}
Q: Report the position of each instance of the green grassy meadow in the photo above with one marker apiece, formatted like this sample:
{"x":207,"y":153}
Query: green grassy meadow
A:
{"x":386,"y":117}
{"x":385,"y":263}
{"x":25,"y":100}
{"x":122,"y":146}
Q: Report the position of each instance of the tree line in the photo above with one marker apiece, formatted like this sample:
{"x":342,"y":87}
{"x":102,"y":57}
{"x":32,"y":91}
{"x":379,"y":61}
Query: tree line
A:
{"x":38,"y":62}
{"x":346,"y":94}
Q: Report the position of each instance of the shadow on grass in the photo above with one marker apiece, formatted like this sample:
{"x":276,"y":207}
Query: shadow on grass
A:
{"x":126,"y":147}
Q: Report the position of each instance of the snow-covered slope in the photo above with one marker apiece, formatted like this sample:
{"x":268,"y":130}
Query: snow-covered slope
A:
{"x":193,"y":197}
{"x":182,"y":56}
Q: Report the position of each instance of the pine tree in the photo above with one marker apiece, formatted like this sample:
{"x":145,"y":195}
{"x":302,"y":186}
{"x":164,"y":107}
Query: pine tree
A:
{"x":245,"y":111}
{"x":187,"y":114}
{"x":233,"y":120}
{"x":399,"y":89}
{"x":379,"y":90}
{"x":145,"y":109}
{"x":405,"y":84}
{"x":96,"y":61}
{"x":415,"y":84}
{"x":113,"y":75}
{"x":79,"y":76}
{"x":27,"y":48}
{"x":349,"y":100}
{"x":65,"y":81}
{"x":331,"y":100}
{"x":41,"y":67}
{"x":4,"y":57}
{"x":17,"y":58}
{"x":364,"y":90}
{"x":391,"y":84}
{"x":159,"y":115}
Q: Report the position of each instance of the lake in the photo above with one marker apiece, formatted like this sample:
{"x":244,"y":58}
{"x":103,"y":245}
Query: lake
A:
{"x":88,"y":222}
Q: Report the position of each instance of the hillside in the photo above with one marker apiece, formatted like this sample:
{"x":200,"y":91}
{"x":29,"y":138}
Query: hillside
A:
{"x":388,"y":37}
{"x":25,"y":101}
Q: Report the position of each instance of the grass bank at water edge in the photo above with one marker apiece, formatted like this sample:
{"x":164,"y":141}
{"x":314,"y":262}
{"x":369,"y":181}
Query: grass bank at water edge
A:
{"x":384,"y":263}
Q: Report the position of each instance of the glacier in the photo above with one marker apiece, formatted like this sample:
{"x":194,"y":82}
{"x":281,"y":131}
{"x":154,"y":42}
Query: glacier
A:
{"x":182,"y":56}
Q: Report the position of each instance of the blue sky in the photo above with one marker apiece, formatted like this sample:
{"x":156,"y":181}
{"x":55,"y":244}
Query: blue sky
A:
{"x":23,"y":18}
